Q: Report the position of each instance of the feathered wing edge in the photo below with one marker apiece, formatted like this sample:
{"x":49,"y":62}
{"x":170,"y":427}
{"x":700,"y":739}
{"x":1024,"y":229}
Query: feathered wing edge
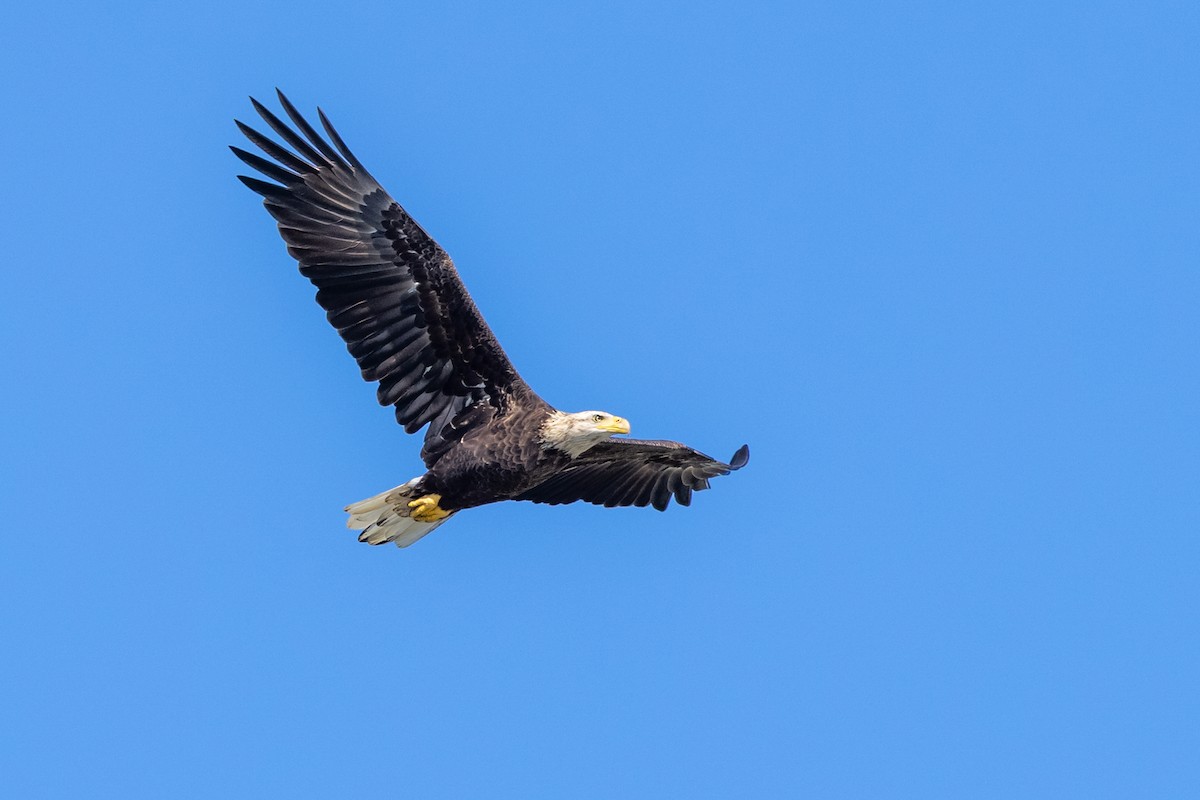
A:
{"x":388,"y":288}
{"x":633,"y":472}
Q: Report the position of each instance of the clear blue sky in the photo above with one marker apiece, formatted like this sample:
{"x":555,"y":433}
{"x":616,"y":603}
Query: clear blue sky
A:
{"x":936,"y":262}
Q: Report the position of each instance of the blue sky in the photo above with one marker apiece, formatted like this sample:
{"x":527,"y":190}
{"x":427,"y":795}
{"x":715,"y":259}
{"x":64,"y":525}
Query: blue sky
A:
{"x":935,"y":262}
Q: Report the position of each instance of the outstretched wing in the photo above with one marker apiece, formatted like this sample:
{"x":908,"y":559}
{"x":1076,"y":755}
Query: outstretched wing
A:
{"x":633,"y":472}
{"x":392,"y":293}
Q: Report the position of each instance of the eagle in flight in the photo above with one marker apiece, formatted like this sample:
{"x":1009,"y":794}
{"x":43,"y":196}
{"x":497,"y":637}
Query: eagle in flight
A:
{"x":397,"y":301}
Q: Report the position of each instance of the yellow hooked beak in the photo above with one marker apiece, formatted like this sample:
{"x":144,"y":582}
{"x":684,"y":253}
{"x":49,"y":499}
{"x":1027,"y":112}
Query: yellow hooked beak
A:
{"x":615,"y":425}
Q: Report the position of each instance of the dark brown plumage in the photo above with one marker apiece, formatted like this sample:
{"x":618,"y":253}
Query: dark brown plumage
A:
{"x":397,"y":301}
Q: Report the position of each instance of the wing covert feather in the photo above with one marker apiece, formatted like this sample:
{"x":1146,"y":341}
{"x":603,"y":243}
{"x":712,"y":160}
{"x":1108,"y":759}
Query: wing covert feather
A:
{"x":634,"y":472}
{"x":388,"y":288}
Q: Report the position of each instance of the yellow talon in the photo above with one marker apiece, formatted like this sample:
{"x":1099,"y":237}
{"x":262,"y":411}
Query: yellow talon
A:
{"x":426,"y":509}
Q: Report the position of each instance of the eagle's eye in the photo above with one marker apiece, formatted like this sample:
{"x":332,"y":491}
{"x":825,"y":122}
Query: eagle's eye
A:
{"x":597,"y":417}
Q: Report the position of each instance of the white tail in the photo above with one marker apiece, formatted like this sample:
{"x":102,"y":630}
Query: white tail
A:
{"x":385,"y":517}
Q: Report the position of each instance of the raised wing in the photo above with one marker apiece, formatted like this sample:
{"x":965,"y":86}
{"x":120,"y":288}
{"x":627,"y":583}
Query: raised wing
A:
{"x":392,"y":293}
{"x":633,"y":472}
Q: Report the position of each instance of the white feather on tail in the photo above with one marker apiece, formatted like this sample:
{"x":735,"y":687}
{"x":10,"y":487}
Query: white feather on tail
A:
{"x":385,"y":517}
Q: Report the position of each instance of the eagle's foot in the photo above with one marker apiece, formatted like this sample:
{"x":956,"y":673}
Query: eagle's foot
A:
{"x":426,"y":509}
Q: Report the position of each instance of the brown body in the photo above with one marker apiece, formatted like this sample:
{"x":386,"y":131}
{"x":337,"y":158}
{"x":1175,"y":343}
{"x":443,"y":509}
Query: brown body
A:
{"x":498,"y":461}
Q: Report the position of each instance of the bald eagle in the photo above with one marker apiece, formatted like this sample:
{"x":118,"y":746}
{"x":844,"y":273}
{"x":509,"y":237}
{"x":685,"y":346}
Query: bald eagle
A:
{"x":396,"y":299}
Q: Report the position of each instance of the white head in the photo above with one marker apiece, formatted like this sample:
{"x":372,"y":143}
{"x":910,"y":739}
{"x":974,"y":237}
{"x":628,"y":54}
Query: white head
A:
{"x":575,"y":433}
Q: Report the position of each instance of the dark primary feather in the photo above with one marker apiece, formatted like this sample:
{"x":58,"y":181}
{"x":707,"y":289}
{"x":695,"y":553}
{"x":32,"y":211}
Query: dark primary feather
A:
{"x":392,"y":293}
{"x":634,"y":472}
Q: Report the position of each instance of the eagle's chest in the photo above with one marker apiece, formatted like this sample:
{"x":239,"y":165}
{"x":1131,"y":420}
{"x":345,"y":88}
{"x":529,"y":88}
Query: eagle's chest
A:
{"x":487,"y":469}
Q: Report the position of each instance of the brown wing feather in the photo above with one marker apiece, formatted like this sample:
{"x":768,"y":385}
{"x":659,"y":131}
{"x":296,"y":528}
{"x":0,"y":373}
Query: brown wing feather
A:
{"x":390,"y":290}
{"x":634,"y":472}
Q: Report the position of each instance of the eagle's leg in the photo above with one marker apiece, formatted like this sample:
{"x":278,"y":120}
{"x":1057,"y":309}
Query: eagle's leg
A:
{"x":426,"y":509}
